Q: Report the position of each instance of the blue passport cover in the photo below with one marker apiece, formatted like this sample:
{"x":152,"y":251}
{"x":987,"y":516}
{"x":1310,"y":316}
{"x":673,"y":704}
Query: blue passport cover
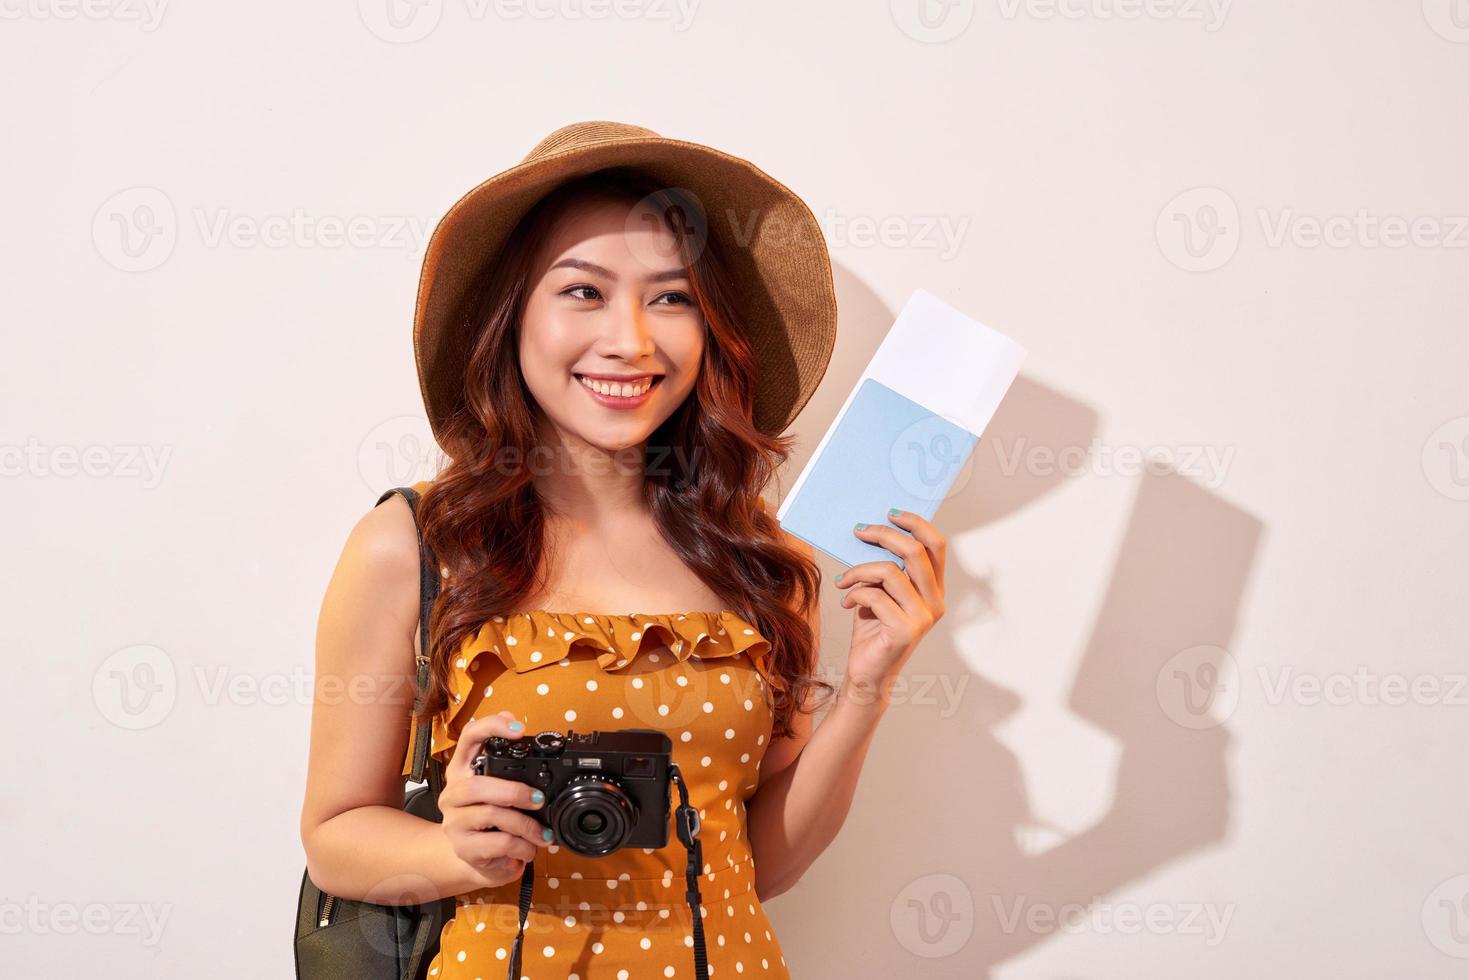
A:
{"x":887,"y":451}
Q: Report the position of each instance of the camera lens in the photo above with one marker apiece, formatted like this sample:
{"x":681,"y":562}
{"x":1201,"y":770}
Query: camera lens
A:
{"x":592,"y":815}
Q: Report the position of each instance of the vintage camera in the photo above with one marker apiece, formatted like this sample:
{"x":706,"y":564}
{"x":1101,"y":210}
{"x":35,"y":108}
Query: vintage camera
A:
{"x":604,"y":790}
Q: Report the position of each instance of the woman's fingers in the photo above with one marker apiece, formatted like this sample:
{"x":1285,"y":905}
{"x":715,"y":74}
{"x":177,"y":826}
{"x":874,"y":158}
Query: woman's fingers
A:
{"x":888,"y":576}
{"x":918,"y":586}
{"x":483,"y":849}
{"x":934,"y":543}
{"x":880,"y":604}
{"x":475,"y":788}
{"x":472,"y":738}
{"x":479,"y":817}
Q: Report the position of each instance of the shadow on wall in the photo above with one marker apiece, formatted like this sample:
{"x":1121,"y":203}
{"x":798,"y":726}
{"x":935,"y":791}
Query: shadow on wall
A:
{"x":932,"y":874}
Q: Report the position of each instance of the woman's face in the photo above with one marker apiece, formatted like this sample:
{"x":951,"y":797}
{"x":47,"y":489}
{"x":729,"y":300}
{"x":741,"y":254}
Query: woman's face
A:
{"x":611,"y":339}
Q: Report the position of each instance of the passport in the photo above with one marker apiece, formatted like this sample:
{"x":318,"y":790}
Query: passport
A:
{"x":906,"y":432}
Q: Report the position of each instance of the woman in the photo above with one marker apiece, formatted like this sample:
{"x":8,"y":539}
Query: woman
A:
{"x":610,"y":338}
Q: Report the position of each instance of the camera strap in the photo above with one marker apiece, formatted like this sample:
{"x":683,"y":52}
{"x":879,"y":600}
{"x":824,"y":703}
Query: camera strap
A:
{"x":686,"y":823}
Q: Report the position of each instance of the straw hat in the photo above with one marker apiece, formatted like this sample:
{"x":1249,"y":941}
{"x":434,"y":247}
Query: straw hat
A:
{"x":782,"y":284}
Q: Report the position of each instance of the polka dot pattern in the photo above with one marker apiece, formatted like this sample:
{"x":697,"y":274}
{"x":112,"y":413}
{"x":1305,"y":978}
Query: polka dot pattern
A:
{"x":700,"y":677}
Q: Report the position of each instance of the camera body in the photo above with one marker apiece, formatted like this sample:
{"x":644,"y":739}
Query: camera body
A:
{"x":604,"y":790}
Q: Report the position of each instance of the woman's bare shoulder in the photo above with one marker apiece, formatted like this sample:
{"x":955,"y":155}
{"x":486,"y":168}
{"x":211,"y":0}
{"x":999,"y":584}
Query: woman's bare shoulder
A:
{"x":379,"y":561}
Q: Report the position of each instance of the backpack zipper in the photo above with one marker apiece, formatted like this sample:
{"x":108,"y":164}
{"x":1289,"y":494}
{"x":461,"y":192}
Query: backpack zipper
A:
{"x":326,"y":912}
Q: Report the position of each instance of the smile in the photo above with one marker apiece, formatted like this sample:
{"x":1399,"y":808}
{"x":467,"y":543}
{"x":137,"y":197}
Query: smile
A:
{"x":620,"y":393}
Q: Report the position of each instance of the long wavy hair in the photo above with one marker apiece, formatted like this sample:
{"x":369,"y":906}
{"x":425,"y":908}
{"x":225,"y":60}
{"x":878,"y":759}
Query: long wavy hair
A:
{"x":484,"y":520}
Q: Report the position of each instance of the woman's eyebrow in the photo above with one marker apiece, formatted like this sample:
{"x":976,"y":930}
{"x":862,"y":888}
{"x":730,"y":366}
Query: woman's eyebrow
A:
{"x":594,"y":268}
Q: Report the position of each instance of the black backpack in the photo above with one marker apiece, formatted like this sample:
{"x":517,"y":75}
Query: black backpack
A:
{"x":342,"y":939}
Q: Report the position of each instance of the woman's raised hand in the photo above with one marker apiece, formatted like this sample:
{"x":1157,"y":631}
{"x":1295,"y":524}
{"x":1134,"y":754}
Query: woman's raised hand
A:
{"x":897,"y":606}
{"x":484,"y":816}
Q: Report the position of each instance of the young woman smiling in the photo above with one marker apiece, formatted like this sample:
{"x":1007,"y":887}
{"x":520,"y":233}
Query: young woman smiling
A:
{"x":609,"y":363}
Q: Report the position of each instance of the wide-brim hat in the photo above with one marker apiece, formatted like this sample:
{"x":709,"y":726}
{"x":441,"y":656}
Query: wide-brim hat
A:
{"x":778,"y":261}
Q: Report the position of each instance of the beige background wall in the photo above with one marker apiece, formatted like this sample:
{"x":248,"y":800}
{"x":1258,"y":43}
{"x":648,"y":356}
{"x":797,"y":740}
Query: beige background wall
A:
{"x":1221,"y":697}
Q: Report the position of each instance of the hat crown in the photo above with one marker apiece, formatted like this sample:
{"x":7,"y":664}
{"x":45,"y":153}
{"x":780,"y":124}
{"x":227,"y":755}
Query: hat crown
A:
{"x":584,"y":134}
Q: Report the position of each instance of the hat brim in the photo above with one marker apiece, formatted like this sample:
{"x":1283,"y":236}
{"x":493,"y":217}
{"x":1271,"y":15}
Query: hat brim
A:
{"x":775,"y":248}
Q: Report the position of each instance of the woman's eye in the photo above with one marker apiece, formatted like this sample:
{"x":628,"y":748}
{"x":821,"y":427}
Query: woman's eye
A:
{"x":578,"y":289}
{"x":682,"y":298}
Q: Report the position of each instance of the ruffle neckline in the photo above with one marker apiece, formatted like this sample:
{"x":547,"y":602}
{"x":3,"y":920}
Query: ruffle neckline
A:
{"x":534,"y":640}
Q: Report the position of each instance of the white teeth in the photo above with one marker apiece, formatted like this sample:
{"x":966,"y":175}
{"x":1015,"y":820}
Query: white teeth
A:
{"x":617,"y":389}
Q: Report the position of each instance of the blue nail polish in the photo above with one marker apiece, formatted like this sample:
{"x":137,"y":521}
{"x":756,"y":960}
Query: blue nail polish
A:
{"x":893,"y":512}
{"x":861,"y":526}
{"x":538,"y":797}
{"x":546,"y":834}
{"x":516,"y":726}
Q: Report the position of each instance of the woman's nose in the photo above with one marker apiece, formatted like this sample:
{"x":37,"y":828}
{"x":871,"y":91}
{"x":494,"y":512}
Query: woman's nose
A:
{"x":627,"y":331}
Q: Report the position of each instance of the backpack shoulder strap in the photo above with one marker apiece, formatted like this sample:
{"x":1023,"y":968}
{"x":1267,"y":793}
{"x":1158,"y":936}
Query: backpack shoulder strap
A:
{"x":428,"y":590}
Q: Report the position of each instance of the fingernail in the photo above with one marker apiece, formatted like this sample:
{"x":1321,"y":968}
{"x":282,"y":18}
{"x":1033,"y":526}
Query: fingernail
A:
{"x":538,"y":798}
{"x":516,"y":726}
{"x":546,"y":834}
{"x":893,"y":512}
{"x":861,"y":526}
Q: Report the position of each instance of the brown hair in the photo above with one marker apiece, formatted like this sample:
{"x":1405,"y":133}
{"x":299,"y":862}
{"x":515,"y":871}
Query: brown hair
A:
{"x":484,"y":521}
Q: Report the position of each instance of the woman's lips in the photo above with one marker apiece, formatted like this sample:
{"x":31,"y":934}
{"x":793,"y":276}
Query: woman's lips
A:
{"x":618,"y":401}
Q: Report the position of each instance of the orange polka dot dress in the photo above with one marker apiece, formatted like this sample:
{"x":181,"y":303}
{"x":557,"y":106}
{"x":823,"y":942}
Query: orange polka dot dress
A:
{"x":700,"y":677}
